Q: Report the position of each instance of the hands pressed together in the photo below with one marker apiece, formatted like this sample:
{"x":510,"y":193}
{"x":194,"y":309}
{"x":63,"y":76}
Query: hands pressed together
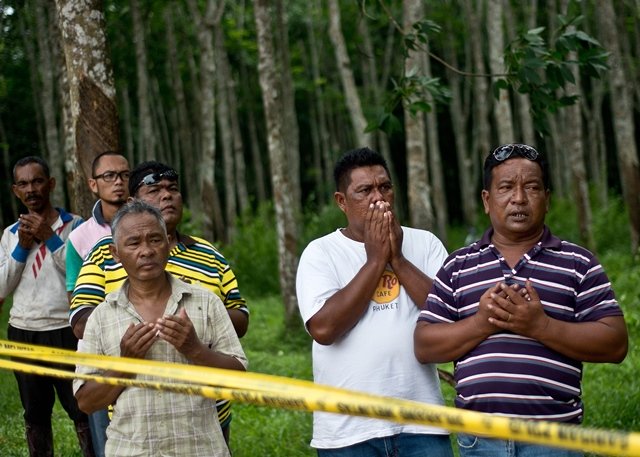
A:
{"x":514,"y":308}
{"x":176,"y":330}
{"x":382,"y":233}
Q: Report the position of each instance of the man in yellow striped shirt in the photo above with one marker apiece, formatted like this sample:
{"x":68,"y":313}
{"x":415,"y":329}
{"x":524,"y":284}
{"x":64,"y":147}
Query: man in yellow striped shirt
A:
{"x":191,"y":259}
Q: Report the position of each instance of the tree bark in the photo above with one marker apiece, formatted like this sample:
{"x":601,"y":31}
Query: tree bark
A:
{"x":435,"y":162}
{"x":44,"y":13}
{"x":623,"y":122}
{"x":146,"y":138}
{"x":93,"y":127}
{"x":418,"y":189}
{"x":205,"y":24}
{"x":482,"y":100}
{"x":358,"y":120}
{"x":226,"y":140}
{"x":285,"y":219}
{"x":575,"y":151}
{"x":459,"y":121}
{"x":291,"y":131}
{"x":502,"y":107}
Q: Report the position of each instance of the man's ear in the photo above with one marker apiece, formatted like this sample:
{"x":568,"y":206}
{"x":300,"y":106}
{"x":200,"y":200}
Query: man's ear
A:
{"x":485,"y":200}
{"x":114,"y":252}
{"x":93,"y":185}
{"x":340,"y":200}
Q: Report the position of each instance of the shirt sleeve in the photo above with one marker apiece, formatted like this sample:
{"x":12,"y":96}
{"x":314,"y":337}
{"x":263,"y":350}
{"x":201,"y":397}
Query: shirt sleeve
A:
{"x":73,"y":263}
{"x":89,"y":290}
{"x":12,"y":263}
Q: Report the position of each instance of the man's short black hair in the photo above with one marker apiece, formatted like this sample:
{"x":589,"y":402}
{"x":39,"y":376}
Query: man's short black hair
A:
{"x":356,"y":158}
{"x":515,"y":150}
{"x":144,"y":169}
{"x":32,"y":159}
{"x":96,"y":160}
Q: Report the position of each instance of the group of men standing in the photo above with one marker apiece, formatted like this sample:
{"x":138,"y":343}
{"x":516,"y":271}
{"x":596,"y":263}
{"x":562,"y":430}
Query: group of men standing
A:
{"x":518,"y":311}
{"x":195,"y":318}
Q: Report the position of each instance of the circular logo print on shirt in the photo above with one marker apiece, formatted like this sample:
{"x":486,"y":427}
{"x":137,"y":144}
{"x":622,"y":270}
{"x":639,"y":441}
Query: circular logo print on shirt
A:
{"x":388,"y":288}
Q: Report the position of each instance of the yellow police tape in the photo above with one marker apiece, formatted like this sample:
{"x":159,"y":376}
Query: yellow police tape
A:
{"x":275,"y":391}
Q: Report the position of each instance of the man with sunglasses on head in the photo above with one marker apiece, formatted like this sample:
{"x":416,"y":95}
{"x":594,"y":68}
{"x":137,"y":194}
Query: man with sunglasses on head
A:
{"x":110,"y":183}
{"x":191,"y":259}
{"x":520,"y":354}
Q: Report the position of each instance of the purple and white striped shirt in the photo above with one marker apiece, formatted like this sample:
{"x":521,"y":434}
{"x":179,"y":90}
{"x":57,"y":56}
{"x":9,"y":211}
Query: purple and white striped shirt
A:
{"x":509,"y":374}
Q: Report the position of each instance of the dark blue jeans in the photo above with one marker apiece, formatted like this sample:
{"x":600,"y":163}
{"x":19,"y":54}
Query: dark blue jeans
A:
{"x":475,"y":446}
{"x":401,"y":445}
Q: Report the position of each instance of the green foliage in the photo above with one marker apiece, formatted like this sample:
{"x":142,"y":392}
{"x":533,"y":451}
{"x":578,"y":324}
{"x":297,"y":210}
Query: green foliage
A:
{"x":540,"y":69}
{"x":415,"y":92}
{"x":253,"y":253}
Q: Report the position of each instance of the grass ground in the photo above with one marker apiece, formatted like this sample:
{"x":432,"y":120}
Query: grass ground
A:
{"x":611,"y":392}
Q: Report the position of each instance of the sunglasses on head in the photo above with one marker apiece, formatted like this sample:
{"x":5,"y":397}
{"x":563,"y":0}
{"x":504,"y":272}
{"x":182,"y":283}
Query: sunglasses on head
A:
{"x":155,"y":178}
{"x":503,"y":152}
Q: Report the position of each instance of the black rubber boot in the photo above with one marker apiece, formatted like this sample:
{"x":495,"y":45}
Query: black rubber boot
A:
{"x":39,"y":439}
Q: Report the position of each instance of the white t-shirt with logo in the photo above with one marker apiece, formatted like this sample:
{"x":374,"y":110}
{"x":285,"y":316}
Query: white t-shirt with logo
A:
{"x":376,"y":355}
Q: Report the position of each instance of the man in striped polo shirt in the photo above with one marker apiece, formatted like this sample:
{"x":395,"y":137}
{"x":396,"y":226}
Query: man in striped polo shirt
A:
{"x":520,"y":354}
{"x":191,"y":259}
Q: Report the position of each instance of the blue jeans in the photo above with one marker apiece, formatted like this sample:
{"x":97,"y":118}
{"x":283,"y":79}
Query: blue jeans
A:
{"x":98,"y":423}
{"x":476,"y":446}
{"x":401,"y":445}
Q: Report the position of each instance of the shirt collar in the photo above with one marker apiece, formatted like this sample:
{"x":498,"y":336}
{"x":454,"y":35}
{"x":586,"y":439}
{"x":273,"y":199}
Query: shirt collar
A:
{"x":178,"y":290}
{"x":97,"y":214}
{"x":547,"y":241}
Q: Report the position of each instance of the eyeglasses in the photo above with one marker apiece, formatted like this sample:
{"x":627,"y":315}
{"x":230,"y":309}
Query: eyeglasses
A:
{"x":155,"y":178}
{"x":503,"y":152}
{"x":111,"y":176}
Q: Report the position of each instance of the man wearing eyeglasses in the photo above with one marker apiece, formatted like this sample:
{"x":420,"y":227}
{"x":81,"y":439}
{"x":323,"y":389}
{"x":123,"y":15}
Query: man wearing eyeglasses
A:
{"x":109,"y":182}
{"x":191,"y":259}
{"x":520,"y":354}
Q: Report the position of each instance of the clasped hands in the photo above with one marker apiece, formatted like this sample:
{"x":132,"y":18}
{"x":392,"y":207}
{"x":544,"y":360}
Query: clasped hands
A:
{"x":176,"y":330}
{"x":514,"y":308}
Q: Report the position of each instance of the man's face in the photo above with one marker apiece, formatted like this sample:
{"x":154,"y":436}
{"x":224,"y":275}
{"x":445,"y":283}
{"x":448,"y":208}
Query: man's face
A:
{"x":517,"y":201}
{"x":166,"y":196}
{"x":32,"y":187}
{"x":368,"y":185}
{"x":141,"y":246}
{"x":114,"y":192}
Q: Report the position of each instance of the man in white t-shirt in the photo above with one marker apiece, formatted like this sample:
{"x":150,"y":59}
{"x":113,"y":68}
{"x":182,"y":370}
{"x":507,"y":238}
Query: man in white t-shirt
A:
{"x":359,"y":292}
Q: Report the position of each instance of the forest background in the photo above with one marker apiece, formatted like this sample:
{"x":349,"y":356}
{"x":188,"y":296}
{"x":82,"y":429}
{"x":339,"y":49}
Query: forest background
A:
{"x":252,"y":102}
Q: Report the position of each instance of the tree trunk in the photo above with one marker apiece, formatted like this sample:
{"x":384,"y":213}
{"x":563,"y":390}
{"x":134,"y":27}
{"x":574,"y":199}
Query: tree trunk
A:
{"x":358,"y":120}
{"x":291,"y":132}
{"x":54,"y":152}
{"x":482,"y":100}
{"x":326,"y":162}
{"x":205,"y":24}
{"x":126,"y":123}
{"x":30,"y":52}
{"x":94,"y":118}
{"x":285,"y":219}
{"x":522,"y":102}
{"x":459,"y":121}
{"x":575,"y":152}
{"x":623,"y":122}
{"x":225,"y":139}
{"x":502,"y":107}
{"x":146,"y":138}
{"x":183,"y":136}
{"x":435,"y":162}
{"x":418,"y":190}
